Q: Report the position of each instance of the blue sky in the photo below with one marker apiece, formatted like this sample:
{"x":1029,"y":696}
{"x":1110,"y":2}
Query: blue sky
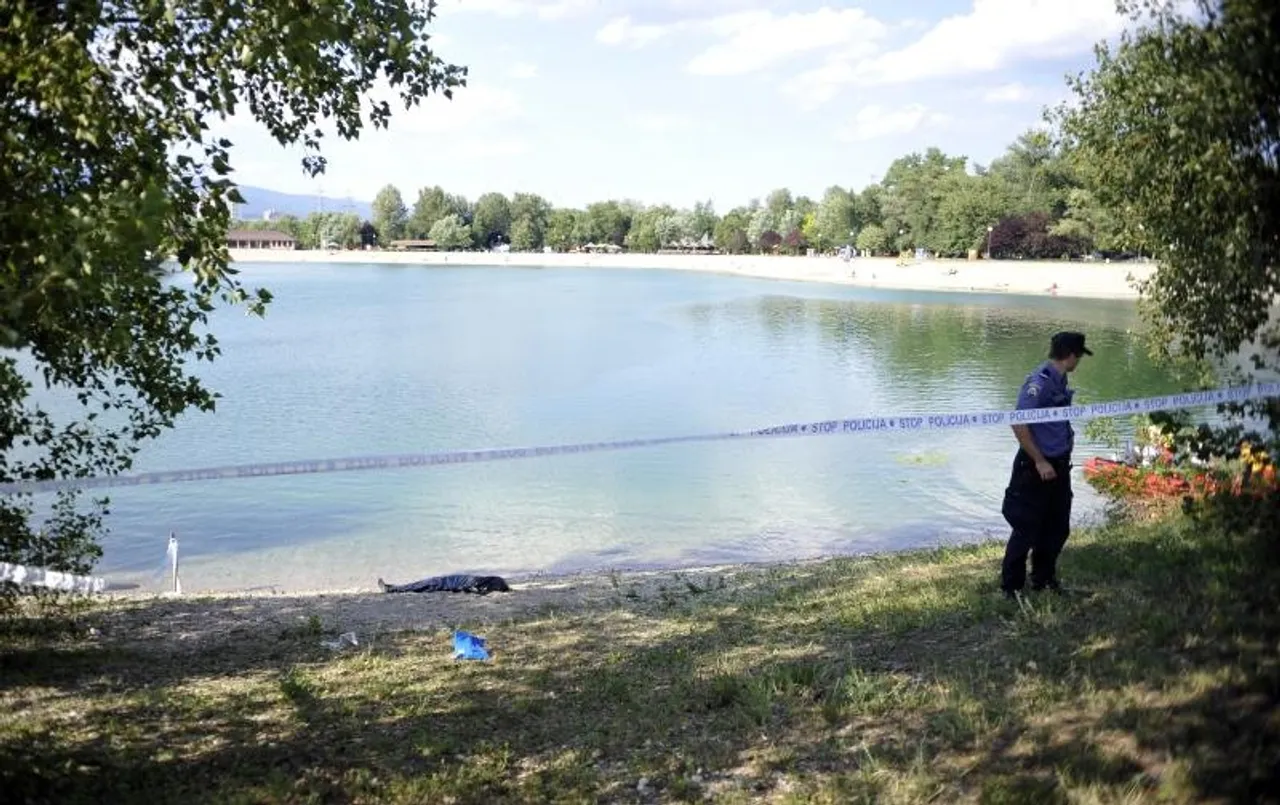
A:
{"x":684,"y":100}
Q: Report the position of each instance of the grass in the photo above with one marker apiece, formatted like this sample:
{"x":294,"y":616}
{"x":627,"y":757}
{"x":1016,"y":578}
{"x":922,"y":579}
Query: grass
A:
{"x":902,"y":678}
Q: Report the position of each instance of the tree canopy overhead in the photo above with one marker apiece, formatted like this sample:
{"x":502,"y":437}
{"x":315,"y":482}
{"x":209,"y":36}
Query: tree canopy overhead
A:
{"x":109,"y":167}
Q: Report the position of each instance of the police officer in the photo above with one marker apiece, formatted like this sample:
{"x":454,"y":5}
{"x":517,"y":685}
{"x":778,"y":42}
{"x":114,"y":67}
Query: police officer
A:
{"x":1037,"y":502}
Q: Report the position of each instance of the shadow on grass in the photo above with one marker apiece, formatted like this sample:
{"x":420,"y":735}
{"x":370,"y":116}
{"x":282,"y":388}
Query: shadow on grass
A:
{"x":900,"y":679}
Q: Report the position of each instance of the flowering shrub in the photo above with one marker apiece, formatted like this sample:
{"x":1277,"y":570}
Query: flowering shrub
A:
{"x":1251,"y":473}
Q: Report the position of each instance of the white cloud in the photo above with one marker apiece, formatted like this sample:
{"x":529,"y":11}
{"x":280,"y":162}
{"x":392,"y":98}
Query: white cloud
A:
{"x":523,"y":70}
{"x":994,"y":34}
{"x":489,"y":149}
{"x":747,"y":41}
{"x":875,"y":122}
{"x":813,"y":88}
{"x":753,"y":40}
{"x":991,"y":36}
{"x":564,"y":8}
{"x":472,"y":107}
{"x":1007,"y":93}
{"x":661,"y":122}
{"x":623,"y":32}
{"x":543,"y":9}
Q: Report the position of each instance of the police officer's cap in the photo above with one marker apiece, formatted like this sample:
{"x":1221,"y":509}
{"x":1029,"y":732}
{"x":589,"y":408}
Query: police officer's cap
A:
{"x":1068,"y":343}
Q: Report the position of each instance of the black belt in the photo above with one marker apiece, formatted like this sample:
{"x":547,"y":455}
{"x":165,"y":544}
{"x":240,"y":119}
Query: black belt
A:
{"x":1065,"y":458}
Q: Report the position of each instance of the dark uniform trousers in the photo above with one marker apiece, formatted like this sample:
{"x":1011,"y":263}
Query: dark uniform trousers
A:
{"x":1040,"y":513}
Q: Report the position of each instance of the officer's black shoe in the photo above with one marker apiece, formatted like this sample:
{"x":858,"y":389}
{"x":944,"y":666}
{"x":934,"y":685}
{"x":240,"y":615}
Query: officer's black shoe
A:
{"x":1053,"y":586}
{"x":1012,"y":595}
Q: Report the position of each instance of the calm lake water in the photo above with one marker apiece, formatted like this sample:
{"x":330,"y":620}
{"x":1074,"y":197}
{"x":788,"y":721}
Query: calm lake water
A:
{"x":353,"y":360}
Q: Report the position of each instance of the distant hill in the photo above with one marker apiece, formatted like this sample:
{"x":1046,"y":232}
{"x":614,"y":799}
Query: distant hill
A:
{"x":259,"y":199}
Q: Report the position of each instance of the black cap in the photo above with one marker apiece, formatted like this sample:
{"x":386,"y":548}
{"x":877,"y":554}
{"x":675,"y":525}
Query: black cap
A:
{"x":1064,"y":344}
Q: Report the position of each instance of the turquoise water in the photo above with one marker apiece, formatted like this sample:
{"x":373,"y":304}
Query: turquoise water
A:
{"x":356,"y":359}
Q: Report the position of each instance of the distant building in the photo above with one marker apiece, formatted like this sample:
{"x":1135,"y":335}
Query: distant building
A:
{"x":413,"y":245}
{"x":254,"y":239}
{"x":690,"y":246}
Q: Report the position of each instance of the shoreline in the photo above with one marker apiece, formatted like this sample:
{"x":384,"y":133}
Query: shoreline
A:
{"x":1016,"y":277}
{"x":367,"y":610}
{"x":194,"y":619}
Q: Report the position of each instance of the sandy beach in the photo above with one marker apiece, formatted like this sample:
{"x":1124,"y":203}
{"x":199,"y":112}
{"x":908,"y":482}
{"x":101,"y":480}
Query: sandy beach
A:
{"x":196,"y":620}
{"x":1073,"y":280}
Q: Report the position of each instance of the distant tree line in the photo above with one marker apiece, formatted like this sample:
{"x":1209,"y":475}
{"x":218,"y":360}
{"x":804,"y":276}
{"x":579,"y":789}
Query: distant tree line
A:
{"x":1029,"y":203}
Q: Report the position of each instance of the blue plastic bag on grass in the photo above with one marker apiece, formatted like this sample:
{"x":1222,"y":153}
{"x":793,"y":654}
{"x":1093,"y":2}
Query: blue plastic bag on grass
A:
{"x":467,"y":646}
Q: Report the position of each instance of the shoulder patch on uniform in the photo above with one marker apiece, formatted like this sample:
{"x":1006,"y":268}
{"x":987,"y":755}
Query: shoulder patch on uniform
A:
{"x":1033,"y":389}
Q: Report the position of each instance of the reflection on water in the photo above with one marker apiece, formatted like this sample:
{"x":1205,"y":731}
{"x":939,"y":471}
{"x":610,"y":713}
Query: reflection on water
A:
{"x":353,"y":360}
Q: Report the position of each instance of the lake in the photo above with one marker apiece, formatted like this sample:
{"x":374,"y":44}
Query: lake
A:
{"x":354,"y":360}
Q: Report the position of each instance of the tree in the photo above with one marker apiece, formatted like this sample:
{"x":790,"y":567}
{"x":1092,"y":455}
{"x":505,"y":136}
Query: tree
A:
{"x":872,"y":239}
{"x":344,"y":229}
{"x":491,"y":220}
{"x":770,"y":241}
{"x":913,"y":193}
{"x":109,"y":168}
{"x":809,"y":228}
{"x":703,"y":220}
{"x":789,"y":220}
{"x":1176,"y":129}
{"x":288,"y":224}
{"x":389,"y":214}
{"x":1036,"y":175}
{"x":731,"y":232}
{"x":969,"y":205}
{"x":431,"y":206}
{"x":1008,"y":238}
{"x":833,"y":221}
{"x":673,"y":227}
{"x":524,"y":237}
{"x":1031,"y":236}
{"x":457,"y":204}
{"x":1089,"y":222}
{"x":330,"y":230}
{"x":561,"y":226}
{"x":804,"y":206}
{"x":867,"y":206}
{"x":606,"y":222}
{"x":450,"y":233}
{"x":530,"y":214}
{"x":761,"y":221}
{"x":643,"y":235}
{"x":778,"y":202}
{"x":657,"y":227}
{"x":795,"y":241}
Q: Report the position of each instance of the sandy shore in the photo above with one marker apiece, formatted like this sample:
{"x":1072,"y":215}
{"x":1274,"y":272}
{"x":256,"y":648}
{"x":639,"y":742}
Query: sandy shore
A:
{"x":196,"y":620}
{"x":1077,"y":280}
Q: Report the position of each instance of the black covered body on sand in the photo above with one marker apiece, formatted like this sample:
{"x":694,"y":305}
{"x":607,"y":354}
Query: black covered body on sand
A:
{"x":458,"y":583}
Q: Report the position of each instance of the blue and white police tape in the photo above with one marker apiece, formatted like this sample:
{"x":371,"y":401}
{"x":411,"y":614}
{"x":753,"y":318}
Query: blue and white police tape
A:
{"x":25,"y":576}
{"x":871,"y":424}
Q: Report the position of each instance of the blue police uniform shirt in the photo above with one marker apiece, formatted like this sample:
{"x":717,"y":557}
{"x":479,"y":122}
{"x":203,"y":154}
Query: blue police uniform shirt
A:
{"x":1046,"y":387}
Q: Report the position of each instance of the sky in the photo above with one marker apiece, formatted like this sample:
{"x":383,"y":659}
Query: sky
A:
{"x":677,"y":101}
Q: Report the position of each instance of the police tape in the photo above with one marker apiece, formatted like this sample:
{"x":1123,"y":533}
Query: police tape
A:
{"x":25,"y":576}
{"x":872,"y":424}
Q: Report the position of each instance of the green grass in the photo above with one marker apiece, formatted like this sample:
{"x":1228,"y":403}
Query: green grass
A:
{"x":897,"y":679}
